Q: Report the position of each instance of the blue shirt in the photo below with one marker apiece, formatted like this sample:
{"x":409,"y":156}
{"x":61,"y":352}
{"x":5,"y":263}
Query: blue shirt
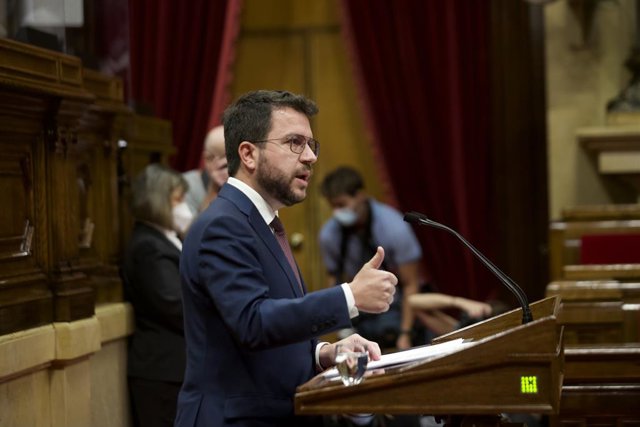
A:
{"x":388,"y":229}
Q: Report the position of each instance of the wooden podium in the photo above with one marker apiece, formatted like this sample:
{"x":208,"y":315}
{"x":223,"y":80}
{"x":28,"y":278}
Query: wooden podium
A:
{"x":507,"y":368}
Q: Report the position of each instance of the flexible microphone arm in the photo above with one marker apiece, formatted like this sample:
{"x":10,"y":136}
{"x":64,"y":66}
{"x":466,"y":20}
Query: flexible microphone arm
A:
{"x":418,"y":218}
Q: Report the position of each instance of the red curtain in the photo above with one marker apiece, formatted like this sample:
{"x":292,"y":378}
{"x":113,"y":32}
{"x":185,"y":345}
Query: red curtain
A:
{"x":178,"y":52}
{"x":423,"y":73}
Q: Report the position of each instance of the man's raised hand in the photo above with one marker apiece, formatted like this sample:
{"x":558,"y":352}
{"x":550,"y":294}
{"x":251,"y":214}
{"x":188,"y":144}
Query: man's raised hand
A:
{"x":372,"y":288}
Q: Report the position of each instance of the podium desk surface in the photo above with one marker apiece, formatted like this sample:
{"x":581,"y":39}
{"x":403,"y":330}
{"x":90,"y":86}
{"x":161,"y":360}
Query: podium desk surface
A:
{"x":504,"y":366}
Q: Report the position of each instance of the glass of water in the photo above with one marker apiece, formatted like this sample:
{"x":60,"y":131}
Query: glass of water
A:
{"x":351,"y":365}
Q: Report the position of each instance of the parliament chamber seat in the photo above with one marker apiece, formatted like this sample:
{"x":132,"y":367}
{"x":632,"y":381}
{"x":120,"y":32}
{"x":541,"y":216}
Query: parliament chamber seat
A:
{"x":596,"y":243}
{"x":595,"y":270}
{"x":598,"y":312}
{"x":601,"y":385}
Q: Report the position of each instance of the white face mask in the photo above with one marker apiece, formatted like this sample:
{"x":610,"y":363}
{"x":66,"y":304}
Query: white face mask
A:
{"x":345,"y":216}
{"x":182,"y":217}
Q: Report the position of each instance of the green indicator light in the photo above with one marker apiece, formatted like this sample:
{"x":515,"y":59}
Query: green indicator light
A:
{"x":529,"y":384}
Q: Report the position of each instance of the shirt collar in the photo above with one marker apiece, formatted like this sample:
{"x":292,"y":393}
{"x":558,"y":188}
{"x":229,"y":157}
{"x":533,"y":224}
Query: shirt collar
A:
{"x":173,"y":238}
{"x":266,"y":211}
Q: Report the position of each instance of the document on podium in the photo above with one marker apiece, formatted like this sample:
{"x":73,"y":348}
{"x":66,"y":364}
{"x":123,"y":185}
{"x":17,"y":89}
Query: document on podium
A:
{"x":412,"y":355}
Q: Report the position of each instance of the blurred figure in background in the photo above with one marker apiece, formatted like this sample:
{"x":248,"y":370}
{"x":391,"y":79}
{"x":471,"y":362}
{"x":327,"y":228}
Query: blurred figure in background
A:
{"x":156,"y":359}
{"x":205,"y":183}
{"x":359,"y":225}
{"x":431,"y":309}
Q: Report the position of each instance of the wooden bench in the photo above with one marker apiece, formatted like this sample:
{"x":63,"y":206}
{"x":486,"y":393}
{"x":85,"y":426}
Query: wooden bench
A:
{"x":587,"y":235}
{"x":598,"y":312}
{"x":620,"y":272}
{"x":601,"y":386}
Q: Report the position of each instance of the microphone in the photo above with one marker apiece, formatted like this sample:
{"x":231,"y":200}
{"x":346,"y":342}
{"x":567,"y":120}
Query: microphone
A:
{"x":418,"y":218}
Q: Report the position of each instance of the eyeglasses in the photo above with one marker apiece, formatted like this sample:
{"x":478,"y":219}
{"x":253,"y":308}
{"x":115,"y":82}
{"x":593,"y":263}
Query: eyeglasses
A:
{"x":297,"y":143}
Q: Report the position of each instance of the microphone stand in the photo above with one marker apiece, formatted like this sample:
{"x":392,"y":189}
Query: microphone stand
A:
{"x":416,"y":217}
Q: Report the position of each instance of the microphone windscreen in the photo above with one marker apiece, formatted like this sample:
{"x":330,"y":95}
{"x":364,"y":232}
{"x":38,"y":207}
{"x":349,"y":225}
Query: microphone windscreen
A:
{"x":413,"y":217}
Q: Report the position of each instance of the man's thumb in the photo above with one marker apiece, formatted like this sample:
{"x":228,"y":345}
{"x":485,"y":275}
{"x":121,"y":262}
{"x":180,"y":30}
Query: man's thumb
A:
{"x":377,"y":259}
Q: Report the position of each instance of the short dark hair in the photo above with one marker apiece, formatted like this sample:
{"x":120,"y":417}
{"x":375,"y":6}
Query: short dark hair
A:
{"x":342,"y":181}
{"x":151,"y":194}
{"x":249,"y":118}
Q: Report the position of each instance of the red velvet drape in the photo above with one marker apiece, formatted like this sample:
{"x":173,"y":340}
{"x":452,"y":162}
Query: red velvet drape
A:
{"x":423,"y":73}
{"x":175,"y":49}
{"x":221,"y":93}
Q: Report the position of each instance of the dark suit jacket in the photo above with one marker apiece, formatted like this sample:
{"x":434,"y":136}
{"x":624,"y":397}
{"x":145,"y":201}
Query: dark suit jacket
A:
{"x":152,"y":285}
{"x":250,"y":333}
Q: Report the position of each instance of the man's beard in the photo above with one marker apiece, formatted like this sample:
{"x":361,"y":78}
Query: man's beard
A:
{"x":276,"y":184}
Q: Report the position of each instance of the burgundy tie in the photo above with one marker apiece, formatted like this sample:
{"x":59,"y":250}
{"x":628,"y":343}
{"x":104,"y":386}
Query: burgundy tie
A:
{"x":281,"y":236}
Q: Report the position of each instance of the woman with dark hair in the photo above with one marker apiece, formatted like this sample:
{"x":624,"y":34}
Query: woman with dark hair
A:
{"x":156,"y":359}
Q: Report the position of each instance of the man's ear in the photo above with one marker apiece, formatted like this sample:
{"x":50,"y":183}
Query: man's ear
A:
{"x":248,"y":155}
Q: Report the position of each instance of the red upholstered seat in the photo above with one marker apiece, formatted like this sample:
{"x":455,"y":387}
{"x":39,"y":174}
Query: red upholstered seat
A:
{"x":610,"y":249}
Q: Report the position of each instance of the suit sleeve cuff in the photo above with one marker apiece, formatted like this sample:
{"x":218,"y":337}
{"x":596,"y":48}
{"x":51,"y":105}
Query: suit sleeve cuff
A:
{"x":351,"y":301}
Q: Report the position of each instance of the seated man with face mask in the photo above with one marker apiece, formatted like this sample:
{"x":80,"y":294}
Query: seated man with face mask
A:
{"x":359,"y":225}
{"x":150,"y":273}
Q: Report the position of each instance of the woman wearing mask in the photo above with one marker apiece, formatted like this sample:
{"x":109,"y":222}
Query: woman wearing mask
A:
{"x":156,"y":359}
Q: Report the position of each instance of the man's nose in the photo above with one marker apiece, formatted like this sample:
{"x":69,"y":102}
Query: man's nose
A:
{"x":307,"y":155}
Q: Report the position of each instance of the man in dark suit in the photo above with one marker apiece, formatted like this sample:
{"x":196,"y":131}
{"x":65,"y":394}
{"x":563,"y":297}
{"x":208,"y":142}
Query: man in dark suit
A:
{"x":250,"y":326}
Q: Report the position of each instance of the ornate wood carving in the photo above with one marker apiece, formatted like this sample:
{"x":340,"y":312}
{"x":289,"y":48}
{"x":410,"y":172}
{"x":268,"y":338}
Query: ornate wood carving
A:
{"x":42,"y":99}
{"x":96,"y":177}
{"x":64,"y":171}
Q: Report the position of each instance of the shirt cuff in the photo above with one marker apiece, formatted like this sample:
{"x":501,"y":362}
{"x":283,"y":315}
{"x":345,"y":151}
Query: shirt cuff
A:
{"x":351,"y":301}
{"x":319,"y":367}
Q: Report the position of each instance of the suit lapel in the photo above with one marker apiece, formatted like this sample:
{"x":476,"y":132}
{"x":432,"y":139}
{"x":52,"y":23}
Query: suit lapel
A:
{"x":263,"y":231}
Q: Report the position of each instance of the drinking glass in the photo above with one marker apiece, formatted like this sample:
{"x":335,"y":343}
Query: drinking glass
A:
{"x":351,"y":365}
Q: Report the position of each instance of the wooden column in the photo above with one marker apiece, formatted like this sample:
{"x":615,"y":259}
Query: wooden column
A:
{"x":102,"y":126}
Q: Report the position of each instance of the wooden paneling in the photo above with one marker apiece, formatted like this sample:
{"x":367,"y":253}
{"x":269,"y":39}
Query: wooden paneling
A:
{"x":615,"y":212}
{"x":71,"y":286}
{"x":37,"y":70}
{"x":41,"y":100}
{"x":96,"y":177}
{"x":519,"y":142}
{"x":61,"y":128}
{"x":289,"y":14}
{"x":270,"y":60}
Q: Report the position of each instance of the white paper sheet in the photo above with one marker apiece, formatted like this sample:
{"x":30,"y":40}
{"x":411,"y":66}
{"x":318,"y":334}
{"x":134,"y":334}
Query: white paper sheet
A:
{"x":411,"y":355}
